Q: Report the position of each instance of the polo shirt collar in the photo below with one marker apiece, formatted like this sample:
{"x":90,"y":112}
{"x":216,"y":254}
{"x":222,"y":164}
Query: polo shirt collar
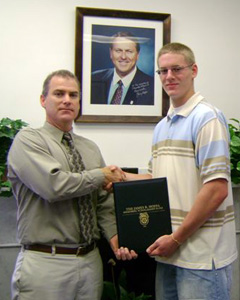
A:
{"x":186,"y":108}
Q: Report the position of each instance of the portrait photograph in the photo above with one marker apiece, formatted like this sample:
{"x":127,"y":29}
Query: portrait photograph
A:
{"x":116,"y":65}
{"x":129,"y":52}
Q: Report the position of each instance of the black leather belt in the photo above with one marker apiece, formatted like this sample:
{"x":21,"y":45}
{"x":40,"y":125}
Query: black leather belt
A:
{"x":82,"y":250}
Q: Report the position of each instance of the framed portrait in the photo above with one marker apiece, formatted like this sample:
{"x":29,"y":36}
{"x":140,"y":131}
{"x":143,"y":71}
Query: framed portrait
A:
{"x":116,"y":62}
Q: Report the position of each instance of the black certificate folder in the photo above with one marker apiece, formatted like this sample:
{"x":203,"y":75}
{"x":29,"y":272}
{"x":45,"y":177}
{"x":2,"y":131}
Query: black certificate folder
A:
{"x":142,"y":212}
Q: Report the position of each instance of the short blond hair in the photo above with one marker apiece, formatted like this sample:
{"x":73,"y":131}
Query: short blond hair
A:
{"x":178,"y":48}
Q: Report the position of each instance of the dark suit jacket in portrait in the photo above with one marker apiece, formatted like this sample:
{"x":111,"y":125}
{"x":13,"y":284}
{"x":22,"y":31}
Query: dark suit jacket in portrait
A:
{"x":140,"y":92}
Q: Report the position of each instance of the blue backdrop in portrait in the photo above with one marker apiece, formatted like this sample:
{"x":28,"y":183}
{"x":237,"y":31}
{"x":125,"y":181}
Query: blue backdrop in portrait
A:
{"x":100,"y":48}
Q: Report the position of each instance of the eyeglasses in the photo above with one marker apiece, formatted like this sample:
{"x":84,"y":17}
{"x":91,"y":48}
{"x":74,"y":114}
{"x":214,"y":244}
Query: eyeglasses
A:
{"x":174,"y":70}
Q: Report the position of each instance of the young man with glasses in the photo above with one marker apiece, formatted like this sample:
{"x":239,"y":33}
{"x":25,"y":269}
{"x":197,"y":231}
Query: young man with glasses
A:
{"x":190,"y":148}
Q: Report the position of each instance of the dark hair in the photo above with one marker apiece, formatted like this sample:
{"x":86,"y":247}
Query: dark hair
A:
{"x":59,"y":73}
{"x":127,"y":35}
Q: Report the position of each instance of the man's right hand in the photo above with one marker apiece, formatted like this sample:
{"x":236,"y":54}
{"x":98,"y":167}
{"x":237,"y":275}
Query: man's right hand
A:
{"x":112,"y":174}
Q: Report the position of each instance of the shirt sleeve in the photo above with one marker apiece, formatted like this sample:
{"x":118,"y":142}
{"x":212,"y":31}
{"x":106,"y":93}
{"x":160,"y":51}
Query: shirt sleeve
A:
{"x":31,"y":162}
{"x":212,"y":151}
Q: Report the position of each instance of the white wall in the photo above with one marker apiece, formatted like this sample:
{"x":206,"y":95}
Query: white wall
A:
{"x":37,"y":37}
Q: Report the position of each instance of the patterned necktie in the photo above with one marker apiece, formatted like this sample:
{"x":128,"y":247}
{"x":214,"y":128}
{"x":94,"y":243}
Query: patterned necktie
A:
{"x":116,"y":99}
{"x":85,"y":202}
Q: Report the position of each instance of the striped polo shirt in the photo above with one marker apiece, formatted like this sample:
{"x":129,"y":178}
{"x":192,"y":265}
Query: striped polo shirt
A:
{"x":190,"y":148}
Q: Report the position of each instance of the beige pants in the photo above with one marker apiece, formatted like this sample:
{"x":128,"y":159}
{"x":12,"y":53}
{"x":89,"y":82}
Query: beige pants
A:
{"x":39,"y":276}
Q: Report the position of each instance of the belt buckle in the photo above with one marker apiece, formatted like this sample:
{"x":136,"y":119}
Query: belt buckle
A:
{"x":79,"y":250}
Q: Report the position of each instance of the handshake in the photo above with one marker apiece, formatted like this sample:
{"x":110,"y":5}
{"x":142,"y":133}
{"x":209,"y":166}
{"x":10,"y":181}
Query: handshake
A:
{"x":112,"y":174}
{"x":116,"y":174}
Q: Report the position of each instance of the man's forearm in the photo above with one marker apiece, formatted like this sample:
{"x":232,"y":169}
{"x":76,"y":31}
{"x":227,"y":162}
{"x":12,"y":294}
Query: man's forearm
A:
{"x":208,"y":200}
{"x":132,"y":176}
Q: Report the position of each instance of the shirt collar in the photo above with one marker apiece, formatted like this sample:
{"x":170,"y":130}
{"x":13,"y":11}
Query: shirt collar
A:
{"x":187,"y":107}
{"x":56,"y":133}
{"x":126,"y":80}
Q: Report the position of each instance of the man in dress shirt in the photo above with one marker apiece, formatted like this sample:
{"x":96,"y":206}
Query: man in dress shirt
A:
{"x":137,"y":86}
{"x":55,"y":261}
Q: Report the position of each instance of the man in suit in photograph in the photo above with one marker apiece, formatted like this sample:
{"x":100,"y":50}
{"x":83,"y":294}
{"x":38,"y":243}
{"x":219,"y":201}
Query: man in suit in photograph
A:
{"x":124,"y":84}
